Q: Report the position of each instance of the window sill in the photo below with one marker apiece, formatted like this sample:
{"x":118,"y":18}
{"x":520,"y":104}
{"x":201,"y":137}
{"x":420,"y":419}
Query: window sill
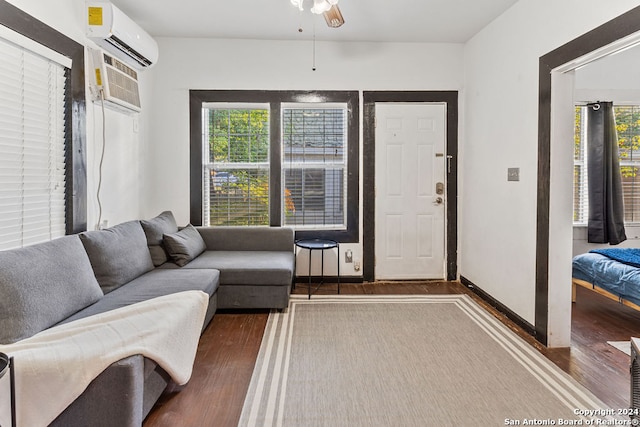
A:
{"x":632,"y":231}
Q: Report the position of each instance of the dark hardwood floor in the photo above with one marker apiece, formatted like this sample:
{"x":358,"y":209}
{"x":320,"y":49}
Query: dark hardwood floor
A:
{"x":590,"y":360}
{"x":229,"y":346}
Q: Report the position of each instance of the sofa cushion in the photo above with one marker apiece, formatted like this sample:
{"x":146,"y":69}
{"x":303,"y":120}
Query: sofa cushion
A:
{"x":247,"y":238}
{"x":42,"y":284}
{"x":154,"y":229}
{"x":153,"y":284}
{"x":248,"y":267}
{"x":184,"y":245}
{"x":118,"y":254}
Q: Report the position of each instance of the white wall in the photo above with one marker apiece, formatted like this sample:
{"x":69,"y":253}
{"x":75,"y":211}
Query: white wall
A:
{"x":122,"y":167}
{"x":66,"y":16}
{"x":272,"y":65}
{"x":615,"y":77}
{"x":498,"y":224}
{"x":124,"y":162}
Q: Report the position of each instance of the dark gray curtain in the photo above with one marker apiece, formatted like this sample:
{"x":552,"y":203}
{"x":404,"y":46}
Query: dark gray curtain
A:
{"x":606,"y":209}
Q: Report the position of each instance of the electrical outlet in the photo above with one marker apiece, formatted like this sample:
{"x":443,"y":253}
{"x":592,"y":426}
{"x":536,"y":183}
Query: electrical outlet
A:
{"x":348,"y":256}
{"x":513,"y":174}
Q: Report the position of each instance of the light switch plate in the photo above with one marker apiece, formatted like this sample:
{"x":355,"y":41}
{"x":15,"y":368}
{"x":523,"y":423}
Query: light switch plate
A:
{"x":513,"y":174}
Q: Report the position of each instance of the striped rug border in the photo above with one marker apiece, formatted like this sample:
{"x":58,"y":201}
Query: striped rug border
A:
{"x":276,"y":347}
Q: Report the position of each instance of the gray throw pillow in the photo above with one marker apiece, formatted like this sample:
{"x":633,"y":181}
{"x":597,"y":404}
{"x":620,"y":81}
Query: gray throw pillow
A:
{"x":118,"y":254}
{"x":155,"y":229}
{"x":184,"y":245}
{"x":43,"y":284}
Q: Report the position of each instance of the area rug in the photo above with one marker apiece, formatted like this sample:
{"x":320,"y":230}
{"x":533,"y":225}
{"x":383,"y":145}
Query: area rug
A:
{"x":623,"y":346}
{"x":405,"y":361}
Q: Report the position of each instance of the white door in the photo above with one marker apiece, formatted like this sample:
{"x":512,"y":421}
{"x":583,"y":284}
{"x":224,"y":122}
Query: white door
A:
{"x":410,"y":191}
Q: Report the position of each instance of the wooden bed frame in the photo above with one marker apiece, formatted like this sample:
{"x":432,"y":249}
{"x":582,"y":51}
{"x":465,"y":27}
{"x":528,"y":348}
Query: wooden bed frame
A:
{"x":600,"y":291}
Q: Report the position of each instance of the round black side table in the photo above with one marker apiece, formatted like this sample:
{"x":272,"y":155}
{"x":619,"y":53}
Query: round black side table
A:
{"x":321,"y":245}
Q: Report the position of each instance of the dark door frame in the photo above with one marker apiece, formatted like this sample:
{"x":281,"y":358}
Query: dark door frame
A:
{"x":609,"y":32}
{"x":450,"y":98}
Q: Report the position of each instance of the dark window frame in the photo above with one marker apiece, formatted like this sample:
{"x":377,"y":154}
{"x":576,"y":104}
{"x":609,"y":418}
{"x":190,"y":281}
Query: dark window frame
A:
{"x":275,"y":99}
{"x":75,"y":126}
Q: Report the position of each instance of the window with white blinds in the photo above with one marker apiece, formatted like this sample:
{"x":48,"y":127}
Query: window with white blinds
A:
{"x":314,"y":166}
{"x":32,"y":147}
{"x":236,"y":164}
{"x":628,"y":130}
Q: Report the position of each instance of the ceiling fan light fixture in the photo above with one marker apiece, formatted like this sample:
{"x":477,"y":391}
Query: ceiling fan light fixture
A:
{"x":320,"y":6}
{"x":328,"y":8}
{"x":333,"y":16}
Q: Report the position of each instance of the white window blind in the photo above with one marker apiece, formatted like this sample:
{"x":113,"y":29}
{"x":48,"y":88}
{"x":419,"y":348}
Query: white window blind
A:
{"x":580,"y":178}
{"x":236,"y":164}
{"x":628,"y":130}
{"x":32,"y":147}
{"x":314,"y":166}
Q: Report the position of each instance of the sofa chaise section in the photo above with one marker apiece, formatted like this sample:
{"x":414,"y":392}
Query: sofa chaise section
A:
{"x":256,"y":265}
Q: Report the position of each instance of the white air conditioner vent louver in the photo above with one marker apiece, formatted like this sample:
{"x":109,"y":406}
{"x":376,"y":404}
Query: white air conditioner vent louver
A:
{"x":117,"y":81}
{"x":132,"y":53}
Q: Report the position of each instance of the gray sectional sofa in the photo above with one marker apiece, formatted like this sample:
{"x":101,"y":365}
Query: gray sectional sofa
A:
{"x":81,"y":275}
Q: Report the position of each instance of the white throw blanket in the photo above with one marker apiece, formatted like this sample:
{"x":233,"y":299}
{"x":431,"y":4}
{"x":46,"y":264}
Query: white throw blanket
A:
{"x":56,"y":365}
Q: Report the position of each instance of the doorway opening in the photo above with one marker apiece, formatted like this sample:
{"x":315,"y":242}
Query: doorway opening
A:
{"x":555,"y":158}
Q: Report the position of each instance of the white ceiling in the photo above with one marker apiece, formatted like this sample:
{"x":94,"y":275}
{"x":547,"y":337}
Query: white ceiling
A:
{"x":442,"y":21}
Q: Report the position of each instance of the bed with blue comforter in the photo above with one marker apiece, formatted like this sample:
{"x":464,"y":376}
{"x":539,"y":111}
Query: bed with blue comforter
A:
{"x":616,"y":271}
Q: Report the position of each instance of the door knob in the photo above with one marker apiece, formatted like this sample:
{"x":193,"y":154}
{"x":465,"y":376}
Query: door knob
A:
{"x":438,"y":201}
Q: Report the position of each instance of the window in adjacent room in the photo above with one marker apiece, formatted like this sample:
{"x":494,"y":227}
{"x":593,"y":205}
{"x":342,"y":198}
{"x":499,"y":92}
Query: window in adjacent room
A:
{"x":628,"y":128}
{"x":32,"y":142}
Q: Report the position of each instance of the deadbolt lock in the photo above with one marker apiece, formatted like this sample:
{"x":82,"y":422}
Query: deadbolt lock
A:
{"x":440,"y":188}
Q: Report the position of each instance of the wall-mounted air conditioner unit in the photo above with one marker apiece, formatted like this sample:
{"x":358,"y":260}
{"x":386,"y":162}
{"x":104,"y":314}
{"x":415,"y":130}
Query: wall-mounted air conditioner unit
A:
{"x":114,"y":82}
{"x":115,"y":32}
